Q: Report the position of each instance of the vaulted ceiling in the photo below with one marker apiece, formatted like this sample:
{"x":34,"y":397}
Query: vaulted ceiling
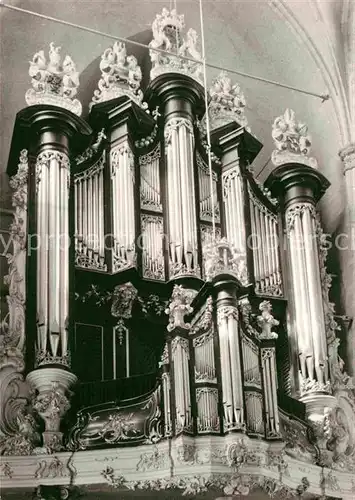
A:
{"x":300,"y":44}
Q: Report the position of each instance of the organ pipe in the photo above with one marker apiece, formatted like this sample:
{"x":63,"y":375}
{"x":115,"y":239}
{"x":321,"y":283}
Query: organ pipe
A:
{"x":179,"y":140}
{"x":89,"y":217}
{"x":52,"y":171}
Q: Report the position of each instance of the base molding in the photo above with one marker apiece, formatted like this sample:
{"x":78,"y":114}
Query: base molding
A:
{"x":186,"y":463}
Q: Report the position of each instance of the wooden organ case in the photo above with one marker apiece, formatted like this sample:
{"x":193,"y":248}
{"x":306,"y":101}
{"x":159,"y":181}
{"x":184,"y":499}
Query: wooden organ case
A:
{"x":180,"y":304}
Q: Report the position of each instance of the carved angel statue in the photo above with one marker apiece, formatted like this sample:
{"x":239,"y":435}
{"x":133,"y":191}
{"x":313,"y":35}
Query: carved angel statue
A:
{"x":160,"y":39}
{"x":266,"y":321}
{"x":54,"y":59}
{"x":178,"y":308}
{"x":290,"y":135}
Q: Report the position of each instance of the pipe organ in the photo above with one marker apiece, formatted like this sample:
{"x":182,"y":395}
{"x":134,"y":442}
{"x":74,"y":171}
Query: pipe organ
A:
{"x":190,"y":258}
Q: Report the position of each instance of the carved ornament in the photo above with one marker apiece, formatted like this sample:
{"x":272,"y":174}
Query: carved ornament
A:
{"x":54,"y":82}
{"x":168,"y":36}
{"x":291,"y":140}
{"x":120,"y":75}
{"x":266,"y":321}
{"x":227,"y":102}
{"x":221,"y":258}
{"x":179,"y":307}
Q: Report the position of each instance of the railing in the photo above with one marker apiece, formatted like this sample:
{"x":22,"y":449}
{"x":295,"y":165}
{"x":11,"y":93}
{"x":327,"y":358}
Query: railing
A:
{"x":94,"y":393}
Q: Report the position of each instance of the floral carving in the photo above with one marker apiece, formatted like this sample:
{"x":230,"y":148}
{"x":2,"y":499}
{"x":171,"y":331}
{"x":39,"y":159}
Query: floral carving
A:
{"x":120,"y":75}
{"x":266,"y":321}
{"x":227,"y":102}
{"x":12,"y":334}
{"x":167,"y":31}
{"x":118,"y":427}
{"x":155,"y":460}
{"x":53,"y":81}
{"x":122,"y":300}
{"x":291,"y":140}
{"x":26,"y":438}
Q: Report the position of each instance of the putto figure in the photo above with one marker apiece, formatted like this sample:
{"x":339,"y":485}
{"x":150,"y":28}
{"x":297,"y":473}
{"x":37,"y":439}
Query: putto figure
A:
{"x":53,"y":81}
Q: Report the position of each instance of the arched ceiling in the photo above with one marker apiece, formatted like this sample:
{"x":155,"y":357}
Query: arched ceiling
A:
{"x":293,"y":42}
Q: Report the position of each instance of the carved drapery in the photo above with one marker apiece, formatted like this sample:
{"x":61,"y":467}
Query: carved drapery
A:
{"x":89,"y":217}
{"x":122,"y":183}
{"x":179,"y":145}
{"x":307,"y":307}
{"x":53,"y":179}
{"x":232,"y":387}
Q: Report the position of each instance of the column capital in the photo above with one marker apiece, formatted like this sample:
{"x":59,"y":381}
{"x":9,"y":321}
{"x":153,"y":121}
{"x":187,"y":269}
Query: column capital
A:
{"x":347,"y":156}
{"x":295,"y":182}
{"x":120,"y":117}
{"x":180,"y":95}
{"x":233,"y":141}
{"x":44,"y":125}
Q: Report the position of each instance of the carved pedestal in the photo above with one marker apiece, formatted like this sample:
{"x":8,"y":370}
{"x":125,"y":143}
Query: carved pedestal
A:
{"x":51,"y":401}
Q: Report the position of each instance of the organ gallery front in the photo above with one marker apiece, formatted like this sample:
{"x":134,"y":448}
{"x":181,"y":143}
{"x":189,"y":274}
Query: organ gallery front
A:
{"x":168,"y":324}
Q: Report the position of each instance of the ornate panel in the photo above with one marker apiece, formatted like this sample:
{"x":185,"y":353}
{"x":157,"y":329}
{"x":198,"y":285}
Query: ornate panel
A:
{"x":152,"y":246}
{"x":150,"y":180}
{"x":254,"y":410}
{"x":252,"y":374}
{"x":207,"y":410}
{"x":136,"y":421}
{"x":89,"y":217}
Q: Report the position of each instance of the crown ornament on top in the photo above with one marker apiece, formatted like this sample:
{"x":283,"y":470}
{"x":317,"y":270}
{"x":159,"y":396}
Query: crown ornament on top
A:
{"x":292,"y":141}
{"x":54,"y":82}
{"x":167,"y":31}
{"x":227,"y":102}
{"x":120,"y":75}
